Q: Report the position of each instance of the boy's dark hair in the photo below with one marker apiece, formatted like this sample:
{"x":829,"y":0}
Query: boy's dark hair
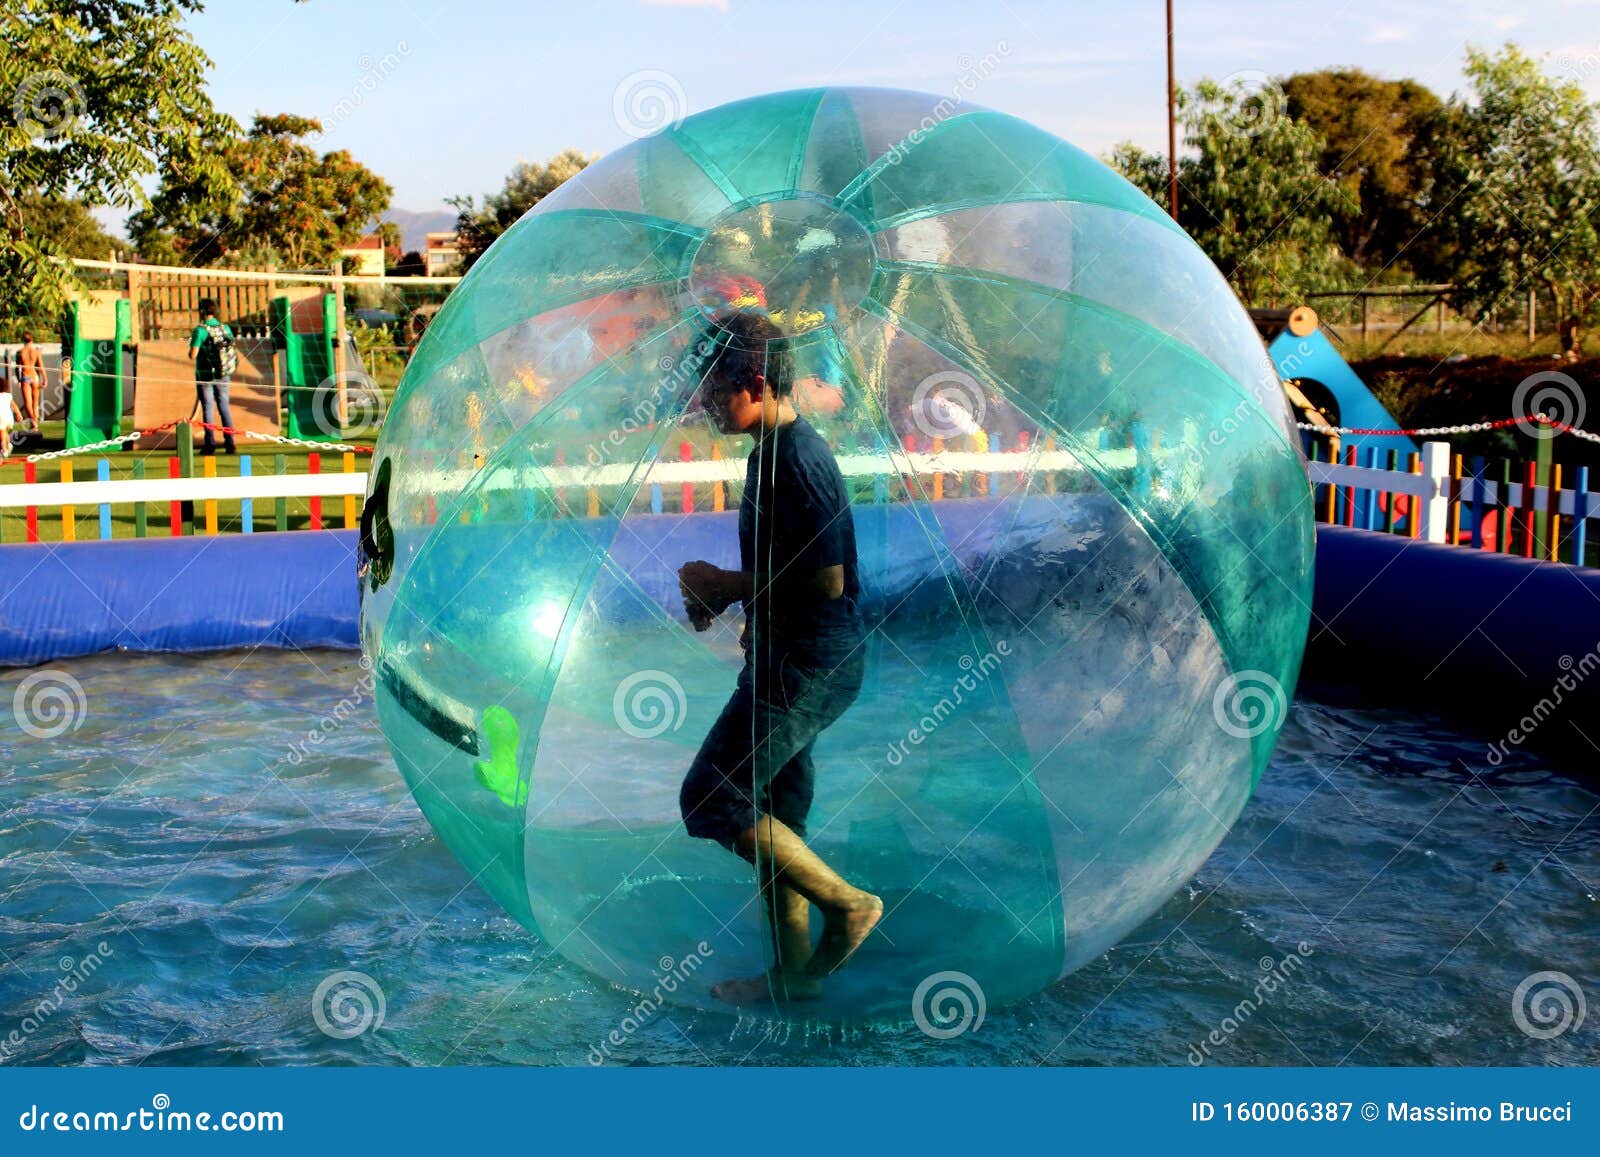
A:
{"x":748,"y":343}
{"x":26,"y":337}
{"x":207,"y":306}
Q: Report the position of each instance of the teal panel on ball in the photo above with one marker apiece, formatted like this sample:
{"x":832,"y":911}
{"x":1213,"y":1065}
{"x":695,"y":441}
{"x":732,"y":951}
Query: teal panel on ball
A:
{"x":844,"y":554}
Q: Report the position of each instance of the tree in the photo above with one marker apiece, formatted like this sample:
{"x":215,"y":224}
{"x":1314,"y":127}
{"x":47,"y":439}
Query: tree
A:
{"x":1250,"y":192}
{"x":66,"y":225}
{"x":1520,"y":177}
{"x":1379,"y":140}
{"x":97,"y":97}
{"x":286,"y":203}
{"x":527,"y":185}
{"x":389,"y":234}
{"x":411,"y":265}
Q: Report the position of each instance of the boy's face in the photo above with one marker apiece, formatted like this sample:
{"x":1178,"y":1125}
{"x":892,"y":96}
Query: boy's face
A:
{"x":733,"y":409}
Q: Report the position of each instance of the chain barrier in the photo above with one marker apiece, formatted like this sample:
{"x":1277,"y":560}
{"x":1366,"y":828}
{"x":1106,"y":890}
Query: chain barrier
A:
{"x":1465,"y":428}
{"x":276,"y":439}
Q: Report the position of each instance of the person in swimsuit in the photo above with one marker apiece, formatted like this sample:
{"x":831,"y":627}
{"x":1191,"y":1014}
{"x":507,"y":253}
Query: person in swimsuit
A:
{"x":30,"y":372}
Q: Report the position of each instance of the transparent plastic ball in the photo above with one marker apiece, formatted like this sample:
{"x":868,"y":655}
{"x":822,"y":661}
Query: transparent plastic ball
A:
{"x":1079,"y":516}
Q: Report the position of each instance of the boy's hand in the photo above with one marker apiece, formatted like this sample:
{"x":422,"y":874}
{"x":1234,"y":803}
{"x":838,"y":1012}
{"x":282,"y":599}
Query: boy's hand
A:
{"x":705,"y":592}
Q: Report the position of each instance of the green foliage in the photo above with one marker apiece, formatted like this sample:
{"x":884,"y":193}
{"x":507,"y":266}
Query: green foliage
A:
{"x":66,"y":225}
{"x":525,"y":187}
{"x":380,"y":357}
{"x":1250,"y":192}
{"x":1519,"y":189}
{"x":1379,"y":140}
{"x":286,"y":203}
{"x":93,"y":97}
{"x":411,"y":264}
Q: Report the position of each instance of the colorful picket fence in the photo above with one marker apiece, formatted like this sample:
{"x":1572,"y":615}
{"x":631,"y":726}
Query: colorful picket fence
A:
{"x":1443,"y":497}
{"x":187,"y":499}
{"x":1434,"y":495}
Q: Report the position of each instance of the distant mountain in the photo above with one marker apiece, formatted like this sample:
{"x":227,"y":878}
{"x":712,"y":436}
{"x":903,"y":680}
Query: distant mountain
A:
{"x":414,"y":227}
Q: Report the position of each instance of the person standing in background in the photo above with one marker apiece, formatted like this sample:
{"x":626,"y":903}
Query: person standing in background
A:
{"x":215,"y":359}
{"x":8,"y":411}
{"x":30,"y":377}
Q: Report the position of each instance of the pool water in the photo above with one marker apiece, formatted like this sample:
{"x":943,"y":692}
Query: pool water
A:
{"x":182,"y":871}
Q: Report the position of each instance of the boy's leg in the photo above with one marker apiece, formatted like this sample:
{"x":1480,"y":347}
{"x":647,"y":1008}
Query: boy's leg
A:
{"x":788,"y":916}
{"x":225,"y":413}
{"x":207,"y":415}
{"x":848,"y":913}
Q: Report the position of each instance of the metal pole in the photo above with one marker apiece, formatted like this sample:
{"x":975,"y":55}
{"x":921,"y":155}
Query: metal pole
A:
{"x":1172,"y":125}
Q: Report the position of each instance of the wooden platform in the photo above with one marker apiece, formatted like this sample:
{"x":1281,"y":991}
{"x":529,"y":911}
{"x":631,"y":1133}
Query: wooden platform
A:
{"x":164,"y":389}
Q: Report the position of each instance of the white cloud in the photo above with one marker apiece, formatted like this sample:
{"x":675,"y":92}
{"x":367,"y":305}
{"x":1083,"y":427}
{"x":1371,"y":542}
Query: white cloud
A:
{"x":1388,"y":34}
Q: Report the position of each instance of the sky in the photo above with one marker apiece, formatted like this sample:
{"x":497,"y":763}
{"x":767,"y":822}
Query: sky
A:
{"x":444,"y":98}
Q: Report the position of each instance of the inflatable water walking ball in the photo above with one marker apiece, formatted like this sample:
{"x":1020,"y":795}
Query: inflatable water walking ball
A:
{"x":1078,"y":504}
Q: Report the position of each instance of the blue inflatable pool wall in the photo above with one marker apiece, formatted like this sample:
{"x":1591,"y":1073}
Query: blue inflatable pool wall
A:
{"x":1508,"y":638}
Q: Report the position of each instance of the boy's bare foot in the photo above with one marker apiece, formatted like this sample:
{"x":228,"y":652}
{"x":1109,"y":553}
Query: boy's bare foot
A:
{"x":783,"y":986}
{"x":843,"y":930}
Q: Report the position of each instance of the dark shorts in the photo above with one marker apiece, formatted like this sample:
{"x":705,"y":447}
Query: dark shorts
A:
{"x":757,"y":756}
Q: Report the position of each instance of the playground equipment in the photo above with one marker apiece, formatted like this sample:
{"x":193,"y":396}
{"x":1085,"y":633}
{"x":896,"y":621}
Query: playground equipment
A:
{"x":1110,"y":468}
{"x":95,"y":333}
{"x":1320,"y":383}
{"x":313,"y":388}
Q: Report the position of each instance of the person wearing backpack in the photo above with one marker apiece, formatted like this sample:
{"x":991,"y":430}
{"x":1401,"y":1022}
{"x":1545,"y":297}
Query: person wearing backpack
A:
{"x":215,"y":359}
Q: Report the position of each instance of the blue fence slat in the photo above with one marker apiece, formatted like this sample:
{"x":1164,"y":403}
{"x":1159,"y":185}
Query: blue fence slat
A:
{"x":1580,"y":514}
{"x":103,"y":473}
{"x":247,"y":506}
{"x":1369,"y":508}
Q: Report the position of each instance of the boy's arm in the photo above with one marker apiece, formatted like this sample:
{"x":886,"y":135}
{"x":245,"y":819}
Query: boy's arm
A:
{"x":739,"y":586}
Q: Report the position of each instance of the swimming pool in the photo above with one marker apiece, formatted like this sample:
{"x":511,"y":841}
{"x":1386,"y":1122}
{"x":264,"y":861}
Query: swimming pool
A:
{"x":230,"y":861}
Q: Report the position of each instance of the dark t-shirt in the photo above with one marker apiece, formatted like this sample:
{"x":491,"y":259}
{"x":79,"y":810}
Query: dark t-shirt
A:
{"x":794,"y":519}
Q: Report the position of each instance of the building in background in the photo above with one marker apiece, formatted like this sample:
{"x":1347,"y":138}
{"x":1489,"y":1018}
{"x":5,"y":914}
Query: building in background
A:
{"x":365,"y":257}
{"x":442,"y":253}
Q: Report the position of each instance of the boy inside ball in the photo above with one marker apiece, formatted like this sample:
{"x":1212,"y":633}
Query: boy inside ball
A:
{"x":750,"y":786}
